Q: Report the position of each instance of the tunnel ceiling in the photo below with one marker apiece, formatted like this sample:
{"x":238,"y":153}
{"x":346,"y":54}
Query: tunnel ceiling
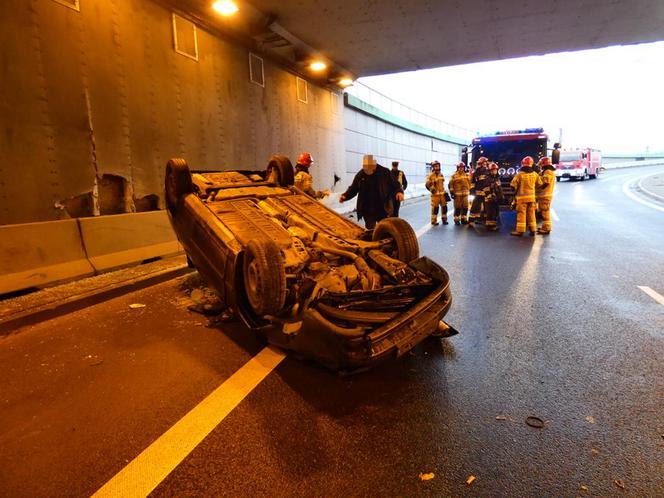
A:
{"x":377,"y":37}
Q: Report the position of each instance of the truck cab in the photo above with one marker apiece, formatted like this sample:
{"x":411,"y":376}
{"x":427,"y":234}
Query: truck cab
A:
{"x":579,"y":164}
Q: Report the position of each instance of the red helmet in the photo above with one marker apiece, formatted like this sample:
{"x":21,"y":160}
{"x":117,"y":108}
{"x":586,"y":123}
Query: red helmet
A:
{"x":305,"y":159}
{"x":482,"y":160}
{"x":493,"y":167}
{"x":544,"y":161}
{"x":461,"y":166}
{"x":527,"y":161}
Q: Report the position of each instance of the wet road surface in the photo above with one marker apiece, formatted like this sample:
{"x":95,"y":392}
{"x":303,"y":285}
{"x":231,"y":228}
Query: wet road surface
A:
{"x":556,"y":327}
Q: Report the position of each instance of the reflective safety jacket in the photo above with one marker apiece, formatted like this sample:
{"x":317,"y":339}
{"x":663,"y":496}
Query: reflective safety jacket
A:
{"x":435,"y":183}
{"x":400,"y":177}
{"x":548,"y":183}
{"x":494,"y":191}
{"x":304,"y":181}
{"x":459,"y":184}
{"x":479,"y":181}
{"x":524,"y":183}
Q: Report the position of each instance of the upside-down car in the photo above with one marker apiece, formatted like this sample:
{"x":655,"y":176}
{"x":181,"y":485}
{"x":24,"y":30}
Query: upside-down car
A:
{"x":307,"y":278}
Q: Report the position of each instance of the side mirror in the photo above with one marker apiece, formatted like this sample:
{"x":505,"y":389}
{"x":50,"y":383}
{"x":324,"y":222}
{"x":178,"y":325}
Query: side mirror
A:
{"x":555,"y":155}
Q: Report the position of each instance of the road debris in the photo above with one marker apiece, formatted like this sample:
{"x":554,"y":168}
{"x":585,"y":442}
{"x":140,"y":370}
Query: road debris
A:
{"x":583,"y":488}
{"x":501,"y":417}
{"x":594,"y":451}
{"x":618,"y":484}
{"x":470,"y":480}
{"x":426,"y":476}
{"x":535,"y":422}
{"x":590,"y":419}
{"x":136,"y":305}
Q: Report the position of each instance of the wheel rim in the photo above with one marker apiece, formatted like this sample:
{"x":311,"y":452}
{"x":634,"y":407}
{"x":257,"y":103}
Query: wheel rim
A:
{"x":252,"y":282}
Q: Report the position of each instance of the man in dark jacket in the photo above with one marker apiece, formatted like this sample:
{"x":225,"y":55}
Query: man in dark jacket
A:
{"x":376,"y":192}
{"x":400,"y":177}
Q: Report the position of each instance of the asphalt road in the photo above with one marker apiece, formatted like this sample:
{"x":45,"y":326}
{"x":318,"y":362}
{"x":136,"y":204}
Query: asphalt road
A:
{"x":554,"y":327}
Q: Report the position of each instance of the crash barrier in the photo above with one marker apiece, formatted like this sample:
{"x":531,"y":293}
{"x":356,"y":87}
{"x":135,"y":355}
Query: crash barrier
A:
{"x":121,"y":239}
{"x":633,"y":164}
{"x":36,"y":254}
{"x":45,"y":253}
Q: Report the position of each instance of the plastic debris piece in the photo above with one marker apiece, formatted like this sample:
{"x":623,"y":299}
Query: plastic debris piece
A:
{"x":470,"y":480}
{"x":535,"y":422}
{"x":590,"y":419}
{"x":426,"y":476}
{"x":618,"y":484}
{"x":594,"y":451}
{"x":501,"y":417}
{"x":583,"y":488}
{"x":136,"y":305}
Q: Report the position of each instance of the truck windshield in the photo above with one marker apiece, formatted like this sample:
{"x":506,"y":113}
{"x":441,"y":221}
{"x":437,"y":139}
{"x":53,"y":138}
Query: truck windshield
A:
{"x":570,"y":156}
{"x":509,"y":153}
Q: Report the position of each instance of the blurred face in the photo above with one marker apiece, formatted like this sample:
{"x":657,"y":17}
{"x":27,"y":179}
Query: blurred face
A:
{"x":369,"y":169}
{"x":436,"y":169}
{"x":395,"y":166}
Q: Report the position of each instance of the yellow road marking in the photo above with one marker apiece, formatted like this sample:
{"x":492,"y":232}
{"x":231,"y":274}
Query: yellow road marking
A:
{"x":144,"y":473}
{"x":655,"y":295}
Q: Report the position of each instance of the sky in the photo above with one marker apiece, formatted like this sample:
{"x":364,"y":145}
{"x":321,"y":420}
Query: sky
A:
{"x":610,"y":99}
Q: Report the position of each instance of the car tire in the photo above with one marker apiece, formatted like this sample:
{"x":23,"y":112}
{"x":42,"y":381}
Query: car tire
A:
{"x":264,"y":277}
{"x":281,"y":170}
{"x":557,"y":178}
{"x":406,"y":247}
{"x":177,"y":182}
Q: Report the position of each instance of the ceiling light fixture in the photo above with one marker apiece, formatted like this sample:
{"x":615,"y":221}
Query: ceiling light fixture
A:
{"x":225,"y":7}
{"x":317,"y":66}
{"x":344,"y":82}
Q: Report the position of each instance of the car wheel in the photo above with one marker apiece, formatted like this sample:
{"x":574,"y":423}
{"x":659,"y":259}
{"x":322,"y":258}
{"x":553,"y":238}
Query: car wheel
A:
{"x":557,"y":178}
{"x":405,"y":246}
{"x":280,"y":171}
{"x":264,"y":277}
{"x":177,"y":183}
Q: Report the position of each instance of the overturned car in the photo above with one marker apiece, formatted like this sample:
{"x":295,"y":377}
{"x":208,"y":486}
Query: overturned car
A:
{"x":307,"y":278}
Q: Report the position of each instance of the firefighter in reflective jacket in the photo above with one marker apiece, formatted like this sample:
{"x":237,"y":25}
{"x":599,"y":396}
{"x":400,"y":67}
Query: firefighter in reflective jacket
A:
{"x":436,"y":185}
{"x":478,"y":183}
{"x":524,"y":183}
{"x":493,"y":196}
{"x":544,"y":193}
{"x":459,"y":187}
{"x":303,"y":179}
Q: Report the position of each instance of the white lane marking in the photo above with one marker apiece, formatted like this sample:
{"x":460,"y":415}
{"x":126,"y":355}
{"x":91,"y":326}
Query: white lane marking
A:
{"x":634,"y":197}
{"x":655,"y":295}
{"x":640,"y":185}
{"x":554,"y":215}
{"x":423,"y":230}
{"x":145,"y":472}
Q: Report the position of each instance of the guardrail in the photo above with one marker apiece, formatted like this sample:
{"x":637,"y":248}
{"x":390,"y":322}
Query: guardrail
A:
{"x":634,"y":164}
{"x":45,"y":253}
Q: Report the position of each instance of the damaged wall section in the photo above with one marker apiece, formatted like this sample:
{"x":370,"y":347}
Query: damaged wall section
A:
{"x":94,"y":102}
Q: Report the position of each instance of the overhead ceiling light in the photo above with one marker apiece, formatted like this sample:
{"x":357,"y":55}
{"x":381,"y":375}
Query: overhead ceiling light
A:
{"x":225,"y":7}
{"x":344,"y":82}
{"x":317,"y":66}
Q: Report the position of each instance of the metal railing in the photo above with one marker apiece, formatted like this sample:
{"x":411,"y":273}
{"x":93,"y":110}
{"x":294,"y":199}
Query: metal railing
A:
{"x":401,"y":111}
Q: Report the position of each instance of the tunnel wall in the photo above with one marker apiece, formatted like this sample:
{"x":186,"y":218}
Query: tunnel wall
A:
{"x":369,"y":134}
{"x":94,"y":100}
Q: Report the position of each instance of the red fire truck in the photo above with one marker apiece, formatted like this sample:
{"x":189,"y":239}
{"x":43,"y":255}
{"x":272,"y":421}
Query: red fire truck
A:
{"x":506,"y":149}
{"x":579,"y":164}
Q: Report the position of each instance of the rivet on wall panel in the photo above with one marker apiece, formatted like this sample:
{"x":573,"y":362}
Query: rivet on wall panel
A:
{"x":185,"y":38}
{"x":72,"y":4}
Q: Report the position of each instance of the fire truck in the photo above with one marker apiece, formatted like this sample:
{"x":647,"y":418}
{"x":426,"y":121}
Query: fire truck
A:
{"x":506,"y":149}
{"x":579,"y":164}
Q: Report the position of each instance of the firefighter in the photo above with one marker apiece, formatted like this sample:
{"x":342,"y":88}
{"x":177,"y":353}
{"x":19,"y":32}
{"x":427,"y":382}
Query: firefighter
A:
{"x":478,"y":183}
{"x":459,"y":187}
{"x":400,"y":177}
{"x":436,"y":185}
{"x":493,"y":196}
{"x":524,"y":183}
{"x":303,"y":179}
{"x":544,"y":194}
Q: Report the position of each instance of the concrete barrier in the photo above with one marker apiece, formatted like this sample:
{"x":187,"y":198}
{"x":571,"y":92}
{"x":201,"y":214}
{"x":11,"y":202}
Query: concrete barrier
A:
{"x":118,"y":240}
{"x":37,"y":254}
